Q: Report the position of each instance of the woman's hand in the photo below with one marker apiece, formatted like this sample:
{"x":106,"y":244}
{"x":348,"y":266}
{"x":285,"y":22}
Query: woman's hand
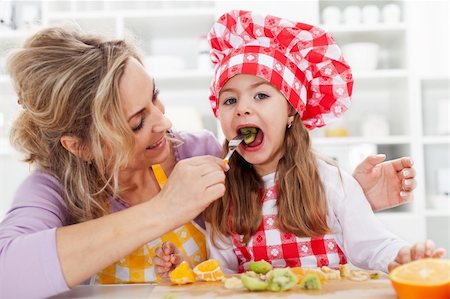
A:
{"x":386,"y":184}
{"x":167,"y":257}
{"x":418,"y":251}
{"x":193,"y":184}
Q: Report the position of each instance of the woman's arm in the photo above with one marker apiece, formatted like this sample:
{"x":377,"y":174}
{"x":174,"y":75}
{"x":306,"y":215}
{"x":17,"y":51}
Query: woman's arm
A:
{"x":76,"y":252}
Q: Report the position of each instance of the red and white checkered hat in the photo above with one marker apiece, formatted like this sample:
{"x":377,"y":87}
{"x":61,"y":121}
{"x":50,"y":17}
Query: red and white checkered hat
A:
{"x":301,"y":60}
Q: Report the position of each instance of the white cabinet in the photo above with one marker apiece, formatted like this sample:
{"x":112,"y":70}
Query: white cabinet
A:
{"x":401,"y":80}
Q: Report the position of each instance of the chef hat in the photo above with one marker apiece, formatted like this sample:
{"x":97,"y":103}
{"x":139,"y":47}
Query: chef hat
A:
{"x":301,"y":60}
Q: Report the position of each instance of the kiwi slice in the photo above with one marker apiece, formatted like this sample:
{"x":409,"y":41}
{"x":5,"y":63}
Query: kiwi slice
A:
{"x":250,"y":134}
{"x":281,"y":279}
{"x":260,"y":267}
{"x":311,"y":281}
{"x":253,"y":283}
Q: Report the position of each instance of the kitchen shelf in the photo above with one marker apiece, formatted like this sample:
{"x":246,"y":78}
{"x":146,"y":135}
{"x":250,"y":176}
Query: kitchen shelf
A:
{"x":384,"y":74}
{"x":437,"y":213}
{"x":147,"y":13}
{"x":436,"y":140}
{"x":360,"y":140}
{"x":13,"y":34}
{"x":365,"y":28}
{"x":192,"y":74}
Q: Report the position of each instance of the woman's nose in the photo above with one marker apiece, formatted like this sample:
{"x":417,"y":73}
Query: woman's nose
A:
{"x":161,"y":122}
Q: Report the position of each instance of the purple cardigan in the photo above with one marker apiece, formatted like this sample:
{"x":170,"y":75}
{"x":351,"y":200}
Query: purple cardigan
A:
{"x":29,"y":264}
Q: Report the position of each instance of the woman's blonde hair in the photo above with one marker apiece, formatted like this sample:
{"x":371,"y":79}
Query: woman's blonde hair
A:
{"x":301,"y":203}
{"x":68,"y":85}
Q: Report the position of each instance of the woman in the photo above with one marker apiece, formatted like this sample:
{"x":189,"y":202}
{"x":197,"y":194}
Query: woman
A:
{"x":94,"y":208}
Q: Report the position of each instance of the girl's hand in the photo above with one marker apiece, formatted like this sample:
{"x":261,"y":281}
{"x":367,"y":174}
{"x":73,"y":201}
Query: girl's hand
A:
{"x":386,"y":184}
{"x":418,"y":251}
{"x":167,"y":257}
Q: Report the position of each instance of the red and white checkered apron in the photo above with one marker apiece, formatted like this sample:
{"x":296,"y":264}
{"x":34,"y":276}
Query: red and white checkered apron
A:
{"x":285,"y":249}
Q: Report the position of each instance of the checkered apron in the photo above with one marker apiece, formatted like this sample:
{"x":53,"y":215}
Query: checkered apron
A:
{"x":285,"y":249}
{"x":138,"y":266}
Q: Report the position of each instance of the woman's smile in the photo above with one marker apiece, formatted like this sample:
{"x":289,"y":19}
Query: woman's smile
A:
{"x":158,"y":145}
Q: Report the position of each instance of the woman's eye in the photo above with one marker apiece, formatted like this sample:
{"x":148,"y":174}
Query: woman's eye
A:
{"x":230,"y":101}
{"x":155,"y":95}
{"x":139,"y":126}
{"x":261,"y":96}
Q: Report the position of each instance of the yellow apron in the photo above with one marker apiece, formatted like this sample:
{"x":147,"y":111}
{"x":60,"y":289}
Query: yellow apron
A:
{"x":138,"y":266}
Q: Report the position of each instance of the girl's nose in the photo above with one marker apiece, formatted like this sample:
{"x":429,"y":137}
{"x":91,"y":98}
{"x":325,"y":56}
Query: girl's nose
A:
{"x":243,"y":108}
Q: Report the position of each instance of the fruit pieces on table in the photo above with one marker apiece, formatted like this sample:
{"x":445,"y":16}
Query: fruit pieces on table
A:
{"x":311,"y":281}
{"x":425,"y":278}
{"x":344,"y":270}
{"x":233,"y":283}
{"x":302,"y":272}
{"x":260,"y":267}
{"x":276,"y":280}
{"x":331,"y":274}
{"x":254,"y":282}
{"x":209,"y":270}
{"x":281,"y":279}
{"x":182,"y":274}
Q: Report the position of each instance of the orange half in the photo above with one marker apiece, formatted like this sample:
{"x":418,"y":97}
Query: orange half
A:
{"x":182,"y":274}
{"x":425,"y":278}
{"x":209,"y":270}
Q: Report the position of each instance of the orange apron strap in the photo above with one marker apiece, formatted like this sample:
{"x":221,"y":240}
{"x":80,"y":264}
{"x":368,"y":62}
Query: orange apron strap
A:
{"x":160,"y":175}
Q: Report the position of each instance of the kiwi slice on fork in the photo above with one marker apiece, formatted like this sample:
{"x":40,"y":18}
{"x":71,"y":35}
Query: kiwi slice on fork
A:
{"x":250,"y":134}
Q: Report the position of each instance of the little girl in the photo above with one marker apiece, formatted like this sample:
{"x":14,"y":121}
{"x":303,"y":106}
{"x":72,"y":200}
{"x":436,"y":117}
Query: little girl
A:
{"x":283,"y":204}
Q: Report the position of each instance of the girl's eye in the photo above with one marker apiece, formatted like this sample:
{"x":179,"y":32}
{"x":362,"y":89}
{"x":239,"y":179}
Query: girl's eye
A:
{"x":139,"y":126}
{"x":261,"y":96}
{"x":230,"y":101}
{"x":155,"y":95}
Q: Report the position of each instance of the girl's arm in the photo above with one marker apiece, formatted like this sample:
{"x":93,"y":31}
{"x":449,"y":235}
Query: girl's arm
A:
{"x":222,"y":251}
{"x":366,"y":242}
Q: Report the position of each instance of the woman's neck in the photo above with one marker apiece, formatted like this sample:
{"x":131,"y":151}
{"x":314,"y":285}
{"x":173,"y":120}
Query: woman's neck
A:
{"x":140,"y":185}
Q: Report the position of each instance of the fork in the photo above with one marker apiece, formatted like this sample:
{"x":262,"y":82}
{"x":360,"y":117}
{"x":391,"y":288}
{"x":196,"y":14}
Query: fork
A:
{"x":232,"y":146}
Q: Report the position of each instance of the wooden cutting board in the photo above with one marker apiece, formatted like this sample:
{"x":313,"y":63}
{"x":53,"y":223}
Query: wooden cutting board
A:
{"x":334,"y":289}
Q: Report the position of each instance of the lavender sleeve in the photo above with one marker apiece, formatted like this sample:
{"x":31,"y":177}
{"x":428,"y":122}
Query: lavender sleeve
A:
{"x":197,"y":144}
{"x":29,"y":264}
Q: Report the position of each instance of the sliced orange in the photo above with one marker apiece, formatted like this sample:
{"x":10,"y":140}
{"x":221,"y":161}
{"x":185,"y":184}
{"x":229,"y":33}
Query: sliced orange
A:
{"x":209,"y":270}
{"x":425,"y":278}
{"x":182,"y":274}
{"x":301,"y":273}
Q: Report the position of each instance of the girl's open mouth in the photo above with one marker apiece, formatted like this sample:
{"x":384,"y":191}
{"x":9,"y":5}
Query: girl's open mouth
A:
{"x":254,"y":136}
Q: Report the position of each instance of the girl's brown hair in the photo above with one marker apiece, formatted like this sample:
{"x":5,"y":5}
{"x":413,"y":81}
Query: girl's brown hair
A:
{"x":301,"y":203}
{"x":68,"y":85}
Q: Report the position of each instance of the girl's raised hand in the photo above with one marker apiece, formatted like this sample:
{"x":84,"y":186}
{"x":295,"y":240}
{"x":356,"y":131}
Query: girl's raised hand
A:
{"x":417,"y":251}
{"x":167,"y":257}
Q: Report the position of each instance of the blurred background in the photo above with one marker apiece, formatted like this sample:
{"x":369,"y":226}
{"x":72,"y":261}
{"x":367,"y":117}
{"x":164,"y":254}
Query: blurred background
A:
{"x":398,"y":50}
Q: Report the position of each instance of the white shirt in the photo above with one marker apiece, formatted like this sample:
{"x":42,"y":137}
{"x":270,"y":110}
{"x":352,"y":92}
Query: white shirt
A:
{"x":365,"y":241}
